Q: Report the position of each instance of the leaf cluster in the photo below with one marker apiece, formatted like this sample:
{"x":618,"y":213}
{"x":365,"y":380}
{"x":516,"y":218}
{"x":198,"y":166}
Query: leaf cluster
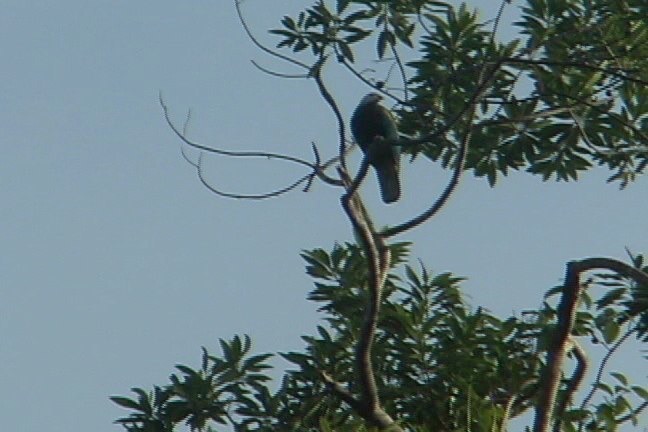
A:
{"x":569,"y":93}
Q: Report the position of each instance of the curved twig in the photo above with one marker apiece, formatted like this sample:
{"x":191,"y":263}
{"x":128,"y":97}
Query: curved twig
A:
{"x":316,"y":73}
{"x":461,"y":157}
{"x":317,"y":168}
{"x":246,"y":196}
{"x":634,"y":413}
{"x":237,"y":4}
{"x":277,"y":74}
{"x":257,"y":154}
{"x":401,"y":69}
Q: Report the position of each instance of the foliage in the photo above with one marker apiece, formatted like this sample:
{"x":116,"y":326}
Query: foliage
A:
{"x":442,"y":364}
{"x":568,"y":93}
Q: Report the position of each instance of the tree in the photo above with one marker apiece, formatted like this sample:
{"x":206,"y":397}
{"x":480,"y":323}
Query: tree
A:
{"x":570,"y":92}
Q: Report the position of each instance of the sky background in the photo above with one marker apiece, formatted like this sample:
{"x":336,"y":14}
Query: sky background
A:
{"x":116,"y":263}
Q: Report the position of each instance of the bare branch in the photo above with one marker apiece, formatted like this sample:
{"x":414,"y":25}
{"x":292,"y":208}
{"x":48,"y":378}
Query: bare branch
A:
{"x":259,"y":45}
{"x":277,"y":74}
{"x":318,"y":169}
{"x":634,"y":413}
{"x":613,"y":265}
{"x":317,"y":75}
{"x":470,"y":107}
{"x":401,"y":69}
{"x":550,"y":112}
{"x":614,"y":116}
{"x":246,"y":196}
{"x":341,"y":392}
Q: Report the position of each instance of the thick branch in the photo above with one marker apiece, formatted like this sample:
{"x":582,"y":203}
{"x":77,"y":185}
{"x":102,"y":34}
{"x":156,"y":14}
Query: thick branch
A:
{"x":551,"y":375}
{"x":574,"y":382}
{"x":377,"y":256}
{"x":566,"y":317}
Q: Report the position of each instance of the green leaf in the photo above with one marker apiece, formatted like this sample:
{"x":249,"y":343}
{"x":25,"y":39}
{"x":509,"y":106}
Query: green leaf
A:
{"x":345,"y":50}
{"x":620,"y":377}
{"x":385,"y":37}
{"x":641,"y":392}
{"x":610,"y":331}
{"x":125,"y":402}
{"x":342,"y":5}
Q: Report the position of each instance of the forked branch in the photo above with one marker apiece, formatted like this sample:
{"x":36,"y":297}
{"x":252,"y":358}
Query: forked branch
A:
{"x":317,"y":168}
{"x":551,"y":376}
{"x":378,"y":259}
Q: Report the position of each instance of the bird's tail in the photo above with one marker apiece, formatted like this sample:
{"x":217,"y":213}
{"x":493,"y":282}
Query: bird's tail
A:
{"x":388,"y":182}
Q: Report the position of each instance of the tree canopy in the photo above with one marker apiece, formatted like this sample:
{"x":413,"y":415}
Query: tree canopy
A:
{"x":569,"y":92}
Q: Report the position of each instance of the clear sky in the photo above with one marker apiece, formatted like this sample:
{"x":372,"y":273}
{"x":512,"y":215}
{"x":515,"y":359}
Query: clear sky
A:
{"x":117,"y":264}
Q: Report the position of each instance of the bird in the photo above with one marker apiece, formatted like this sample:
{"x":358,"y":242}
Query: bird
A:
{"x":374,"y":128}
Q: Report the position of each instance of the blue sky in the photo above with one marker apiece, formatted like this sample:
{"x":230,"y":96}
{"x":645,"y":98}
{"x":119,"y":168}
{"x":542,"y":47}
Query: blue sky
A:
{"x":117,"y":264}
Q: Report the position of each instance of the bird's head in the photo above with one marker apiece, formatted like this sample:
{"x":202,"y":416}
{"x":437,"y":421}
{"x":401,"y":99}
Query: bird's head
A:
{"x":371,"y":98}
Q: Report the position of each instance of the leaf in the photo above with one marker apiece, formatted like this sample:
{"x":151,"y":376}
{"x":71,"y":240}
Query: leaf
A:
{"x":641,"y":392}
{"x":126,"y":402}
{"x":385,"y":37}
{"x":341,"y":5}
{"x":345,"y":50}
{"x":620,"y":377}
{"x":610,"y":331}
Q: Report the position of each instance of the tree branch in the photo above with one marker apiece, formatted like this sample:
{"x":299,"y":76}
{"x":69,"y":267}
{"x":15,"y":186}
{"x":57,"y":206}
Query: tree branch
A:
{"x":317,"y":75}
{"x":551,"y":375}
{"x":601,"y":368}
{"x":581,"y":65}
{"x":470,"y":107}
{"x":318,"y":169}
{"x":378,"y":258}
{"x":550,"y":378}
{"x":574,"y":382}
{"x":255,"y":41}
{"x":278,"y":74}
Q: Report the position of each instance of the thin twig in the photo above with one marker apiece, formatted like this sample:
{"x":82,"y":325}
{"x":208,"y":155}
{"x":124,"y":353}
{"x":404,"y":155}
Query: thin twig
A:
{"x":317,"y":75}
{"x":580,"y":65}
{"x":246,"y":196}
{"x":318,"y":169}
{"x":278,"y":74}
{"x":634,"y":413}
{"x":470,"y":106}
{"x":601,"y":369}
{"x":259,"y":45}
{"x":401,"y":69}
{"x":341,"y":392}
